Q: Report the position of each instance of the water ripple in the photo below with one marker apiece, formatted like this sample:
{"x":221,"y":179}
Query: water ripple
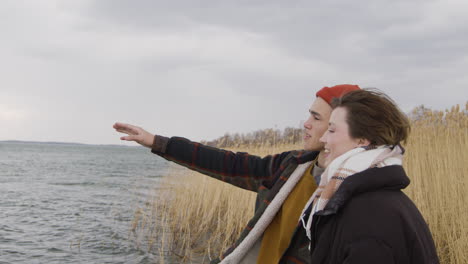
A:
{"x":73,"y":203}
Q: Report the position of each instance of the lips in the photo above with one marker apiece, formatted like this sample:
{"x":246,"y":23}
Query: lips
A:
{"x":326,"y":152}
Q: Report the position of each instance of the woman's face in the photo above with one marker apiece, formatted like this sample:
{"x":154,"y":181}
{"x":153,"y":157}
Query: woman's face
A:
{"x":337,"y":139}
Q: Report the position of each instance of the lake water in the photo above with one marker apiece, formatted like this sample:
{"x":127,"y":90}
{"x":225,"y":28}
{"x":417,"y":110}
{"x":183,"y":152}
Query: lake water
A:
{"x":67,"y":203}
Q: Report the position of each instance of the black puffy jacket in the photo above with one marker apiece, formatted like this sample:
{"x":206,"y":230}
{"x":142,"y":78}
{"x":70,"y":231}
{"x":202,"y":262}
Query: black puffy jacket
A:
{"x":370,"y":220}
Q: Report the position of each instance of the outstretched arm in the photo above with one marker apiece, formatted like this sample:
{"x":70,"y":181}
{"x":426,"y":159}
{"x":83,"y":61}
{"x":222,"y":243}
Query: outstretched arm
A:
{"x":134,"y":133}
{"x":240,"y":169}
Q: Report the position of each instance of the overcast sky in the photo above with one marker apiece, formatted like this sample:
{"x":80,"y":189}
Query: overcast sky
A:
{"x":198,"y":69}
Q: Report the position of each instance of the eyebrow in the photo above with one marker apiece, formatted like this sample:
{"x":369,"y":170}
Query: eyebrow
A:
{"x":312,"y":112}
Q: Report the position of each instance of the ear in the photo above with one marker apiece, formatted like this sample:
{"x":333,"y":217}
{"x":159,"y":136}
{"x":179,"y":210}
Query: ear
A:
{"x":363,"y":142}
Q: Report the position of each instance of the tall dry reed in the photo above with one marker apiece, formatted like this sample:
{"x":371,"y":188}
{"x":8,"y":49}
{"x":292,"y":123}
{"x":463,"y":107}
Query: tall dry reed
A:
{"x":437,"y":163}
{"x":195,"y":218}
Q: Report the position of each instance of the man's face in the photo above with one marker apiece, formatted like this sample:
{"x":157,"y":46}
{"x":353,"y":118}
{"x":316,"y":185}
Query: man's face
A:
{"x":316,"y":124}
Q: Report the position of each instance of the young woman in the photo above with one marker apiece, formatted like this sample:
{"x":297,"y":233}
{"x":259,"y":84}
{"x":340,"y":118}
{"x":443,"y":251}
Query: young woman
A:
{"x":359,"y":213}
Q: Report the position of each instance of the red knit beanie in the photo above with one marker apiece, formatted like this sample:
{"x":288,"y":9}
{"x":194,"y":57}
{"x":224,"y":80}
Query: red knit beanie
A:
{"x":328,"y":93}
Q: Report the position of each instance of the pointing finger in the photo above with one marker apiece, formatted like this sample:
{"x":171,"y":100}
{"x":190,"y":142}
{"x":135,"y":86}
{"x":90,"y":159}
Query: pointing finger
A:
{"x":128,"y":138}
{"x":127,"y":130}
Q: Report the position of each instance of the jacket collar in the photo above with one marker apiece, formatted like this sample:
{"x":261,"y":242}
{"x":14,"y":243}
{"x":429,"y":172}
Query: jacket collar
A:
{"x":388,"y":178}
{"x":303,"y":156}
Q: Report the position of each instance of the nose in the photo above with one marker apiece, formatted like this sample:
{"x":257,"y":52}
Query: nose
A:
{"x":308,"y":123}
{"x":323,"y":138}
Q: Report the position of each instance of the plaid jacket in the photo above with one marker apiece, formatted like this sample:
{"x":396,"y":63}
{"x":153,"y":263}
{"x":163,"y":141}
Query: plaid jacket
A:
{"x":265,"y":176}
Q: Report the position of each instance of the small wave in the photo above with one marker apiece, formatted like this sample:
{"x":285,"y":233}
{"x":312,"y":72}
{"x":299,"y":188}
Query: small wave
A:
{"x":55,"y":250}
{"x":73,"y":183}
{"x":14,"y":252}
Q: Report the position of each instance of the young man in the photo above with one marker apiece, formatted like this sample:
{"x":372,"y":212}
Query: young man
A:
{"x":284,"y":183}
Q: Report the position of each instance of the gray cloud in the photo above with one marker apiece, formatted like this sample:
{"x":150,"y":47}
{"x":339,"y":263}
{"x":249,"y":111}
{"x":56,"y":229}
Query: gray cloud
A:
{"x":199,"y":68}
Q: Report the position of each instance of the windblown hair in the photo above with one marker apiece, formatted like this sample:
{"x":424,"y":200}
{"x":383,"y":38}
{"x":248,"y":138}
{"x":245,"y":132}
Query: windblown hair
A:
{"x":372,"y":115}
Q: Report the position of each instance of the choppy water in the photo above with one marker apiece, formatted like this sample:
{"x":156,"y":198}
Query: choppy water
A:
{"x":63,"y":203}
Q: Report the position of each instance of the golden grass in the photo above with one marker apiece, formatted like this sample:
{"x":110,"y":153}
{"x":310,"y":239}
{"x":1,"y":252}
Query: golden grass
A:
{"x":437,"y":163}
{"x":196,"y":218}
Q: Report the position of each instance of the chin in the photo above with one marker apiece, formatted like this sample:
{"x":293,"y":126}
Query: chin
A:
{"x":308,"y":148}
{"x":313,"y":147}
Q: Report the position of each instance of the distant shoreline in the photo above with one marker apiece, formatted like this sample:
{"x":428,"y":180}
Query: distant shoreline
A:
{"x":64,"y":143}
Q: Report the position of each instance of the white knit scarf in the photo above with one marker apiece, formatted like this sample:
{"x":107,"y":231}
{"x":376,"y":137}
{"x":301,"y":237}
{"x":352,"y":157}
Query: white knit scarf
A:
{"x":347,"y":164}
{"x":256,"y":233}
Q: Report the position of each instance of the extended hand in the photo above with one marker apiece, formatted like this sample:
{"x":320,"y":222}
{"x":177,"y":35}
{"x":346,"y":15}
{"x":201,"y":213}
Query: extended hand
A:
{"x":137,"y":134}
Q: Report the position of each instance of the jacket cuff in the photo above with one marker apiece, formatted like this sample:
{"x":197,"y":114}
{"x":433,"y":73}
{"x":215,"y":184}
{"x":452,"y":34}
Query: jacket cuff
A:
{"x":159,"y":144}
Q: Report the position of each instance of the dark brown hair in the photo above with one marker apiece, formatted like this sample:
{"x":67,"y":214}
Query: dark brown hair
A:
{"x":372,"y":115}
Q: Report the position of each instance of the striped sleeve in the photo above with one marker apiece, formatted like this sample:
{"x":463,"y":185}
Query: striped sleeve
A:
{"x":240,"y":169}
